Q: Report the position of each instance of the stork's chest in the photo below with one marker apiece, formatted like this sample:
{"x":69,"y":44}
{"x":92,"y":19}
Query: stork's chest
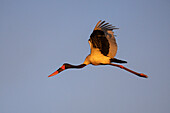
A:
{"x":96,"y":58}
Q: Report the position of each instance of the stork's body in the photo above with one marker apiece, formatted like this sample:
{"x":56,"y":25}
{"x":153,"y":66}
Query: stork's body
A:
{"x":103,"y":48}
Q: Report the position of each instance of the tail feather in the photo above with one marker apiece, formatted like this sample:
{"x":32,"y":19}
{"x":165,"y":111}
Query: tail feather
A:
{"x":117,"y":60}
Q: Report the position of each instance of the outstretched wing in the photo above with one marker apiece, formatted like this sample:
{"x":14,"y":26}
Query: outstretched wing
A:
{"x":99,"y":42}
{"x":103,"y":39}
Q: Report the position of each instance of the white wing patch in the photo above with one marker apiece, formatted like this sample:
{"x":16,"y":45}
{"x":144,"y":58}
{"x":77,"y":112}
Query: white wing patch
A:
{"x":107,"y":29}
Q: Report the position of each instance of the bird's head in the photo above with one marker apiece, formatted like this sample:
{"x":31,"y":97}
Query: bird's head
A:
{"x":62,"y":68}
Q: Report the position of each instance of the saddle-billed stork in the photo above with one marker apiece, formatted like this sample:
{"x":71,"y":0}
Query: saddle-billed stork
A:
{"x":103,"y":50}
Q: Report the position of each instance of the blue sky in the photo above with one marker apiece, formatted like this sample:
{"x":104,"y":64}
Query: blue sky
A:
{"x":38,"y":36}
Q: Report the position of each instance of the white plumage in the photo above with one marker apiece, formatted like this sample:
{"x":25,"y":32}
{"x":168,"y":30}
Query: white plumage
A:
{"x":96,"y":57}
{"x":108,"y":30}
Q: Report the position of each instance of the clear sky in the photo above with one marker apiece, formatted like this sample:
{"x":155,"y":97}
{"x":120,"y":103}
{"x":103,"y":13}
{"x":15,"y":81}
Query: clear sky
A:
{"x":38,"y":36}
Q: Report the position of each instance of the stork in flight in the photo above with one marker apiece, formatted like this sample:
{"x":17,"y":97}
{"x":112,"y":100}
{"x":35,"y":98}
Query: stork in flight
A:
{"x":103,"y":50}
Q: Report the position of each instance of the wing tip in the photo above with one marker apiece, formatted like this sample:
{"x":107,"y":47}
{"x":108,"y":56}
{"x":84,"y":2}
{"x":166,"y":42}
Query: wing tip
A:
{"x":96,"y":27}
{"x":100,"y":25}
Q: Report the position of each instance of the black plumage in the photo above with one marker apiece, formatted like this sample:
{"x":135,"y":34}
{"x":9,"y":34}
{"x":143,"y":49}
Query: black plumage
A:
{"x":99,"y":40}
{"x":117,"y":60}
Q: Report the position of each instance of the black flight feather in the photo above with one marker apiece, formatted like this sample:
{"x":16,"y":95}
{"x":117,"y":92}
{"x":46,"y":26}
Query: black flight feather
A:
{"x":99,"y":40}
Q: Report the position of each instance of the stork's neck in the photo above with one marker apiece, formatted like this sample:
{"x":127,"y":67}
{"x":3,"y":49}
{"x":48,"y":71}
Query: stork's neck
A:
{"x":87,"y":60}
{"x":67,"y":66}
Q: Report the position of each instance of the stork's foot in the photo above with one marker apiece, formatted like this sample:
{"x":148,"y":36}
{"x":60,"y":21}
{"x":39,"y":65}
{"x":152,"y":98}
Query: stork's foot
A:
{"x":143,"y":75}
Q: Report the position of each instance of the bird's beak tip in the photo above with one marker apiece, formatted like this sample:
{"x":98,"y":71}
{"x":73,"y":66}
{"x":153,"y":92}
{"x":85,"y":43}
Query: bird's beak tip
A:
{"x":56,"y":72}
{"x":50,"y":75}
